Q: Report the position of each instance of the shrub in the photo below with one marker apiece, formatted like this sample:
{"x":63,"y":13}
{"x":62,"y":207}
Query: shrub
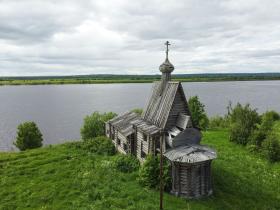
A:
{"x":267,"y":120}
{"x":149,"y":173}
{"x":243,"y":121}
{"x":252,"y":148}
{"x":271,"y":147}
{"x":126,"y":163}
{"x":218,"y":122}
{"x":257,"y":137}
{"x":239,"y":134}
{"x":199,"y":117}
{"x":100,"y":145}
{"x":28,"y":136}
{"x":266,"y":126}
{"x":94,"y":124}
{"x":272,"y":115}
{"x":137,"y":111}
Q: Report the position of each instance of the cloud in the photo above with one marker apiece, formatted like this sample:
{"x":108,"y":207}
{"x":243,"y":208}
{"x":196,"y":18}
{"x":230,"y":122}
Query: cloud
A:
{"x":126,"y":37}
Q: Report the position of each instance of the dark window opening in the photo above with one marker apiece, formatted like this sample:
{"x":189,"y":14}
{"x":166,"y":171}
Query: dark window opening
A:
{"x":125,"y":147}
{"x":145,"y":137}
{"x":118,"y":141}
{"x":143,"y":154}
{"x":181,"y":129}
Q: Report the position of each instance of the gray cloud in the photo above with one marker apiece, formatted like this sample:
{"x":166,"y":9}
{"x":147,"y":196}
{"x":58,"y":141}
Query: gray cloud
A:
{"x":120,"y":36}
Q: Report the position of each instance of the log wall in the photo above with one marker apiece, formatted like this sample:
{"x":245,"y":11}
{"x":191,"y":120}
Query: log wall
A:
{"x":191,"y":180}
{"x":143,"y":145}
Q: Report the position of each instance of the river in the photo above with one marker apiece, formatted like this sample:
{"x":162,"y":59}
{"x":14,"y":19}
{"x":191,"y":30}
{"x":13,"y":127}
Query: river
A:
{"x":59,"y":110}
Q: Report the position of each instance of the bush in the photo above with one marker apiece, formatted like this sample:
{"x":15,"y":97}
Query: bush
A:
{"x":243,"y":121}
{"x":265,"y":128}
{"x":272,"y":115}
{"x":100,"y":145}
{"x":28,"y":136}
{"x":149,"y":173}
{"x":271,"y":147}
{"x":199,"y":117}
{"x":137,"y":111}
{"x":94,"y":124}
{"x":257,"y":137}
{"x":218,"y":122}
{"x":126,"y":163}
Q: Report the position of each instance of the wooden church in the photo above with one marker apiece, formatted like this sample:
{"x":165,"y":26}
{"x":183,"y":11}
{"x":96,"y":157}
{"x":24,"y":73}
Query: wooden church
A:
{"x":167,"y":117}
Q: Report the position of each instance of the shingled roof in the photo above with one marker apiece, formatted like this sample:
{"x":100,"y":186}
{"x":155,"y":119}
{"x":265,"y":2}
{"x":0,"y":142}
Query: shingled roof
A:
{"x":191,"y":154}
{"x":123,"y":122}
{"x":145,"y":126}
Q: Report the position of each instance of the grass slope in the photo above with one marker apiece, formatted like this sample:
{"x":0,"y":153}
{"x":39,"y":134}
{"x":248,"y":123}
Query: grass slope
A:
{"x":67,"y":177}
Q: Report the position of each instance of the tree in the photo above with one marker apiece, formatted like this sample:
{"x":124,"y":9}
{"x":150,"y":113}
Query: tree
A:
{"x":243,"y":122}
{"x":94,"y":124}
{"x":199,"y":116}
{"x":28,"y":136}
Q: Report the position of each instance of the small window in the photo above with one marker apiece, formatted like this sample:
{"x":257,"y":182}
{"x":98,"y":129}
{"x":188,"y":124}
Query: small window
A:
{"x":118,"y":141}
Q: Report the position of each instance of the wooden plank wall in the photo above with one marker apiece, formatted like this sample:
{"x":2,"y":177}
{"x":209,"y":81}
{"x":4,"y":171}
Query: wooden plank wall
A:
{"x":107,"y":130}
{"x":142,"y":145}
{"x":179,"y":106}
{"x":123,"y":141}
{"x":191,"y":180}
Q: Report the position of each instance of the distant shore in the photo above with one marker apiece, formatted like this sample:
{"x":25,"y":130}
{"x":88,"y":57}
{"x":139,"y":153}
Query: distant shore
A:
{"x":110,"y":79}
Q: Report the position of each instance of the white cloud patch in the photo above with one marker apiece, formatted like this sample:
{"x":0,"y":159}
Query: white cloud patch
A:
{"x":65,"y":37}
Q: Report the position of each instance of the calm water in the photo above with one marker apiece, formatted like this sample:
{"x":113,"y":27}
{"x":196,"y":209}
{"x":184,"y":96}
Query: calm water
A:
{"x":59,"y":109}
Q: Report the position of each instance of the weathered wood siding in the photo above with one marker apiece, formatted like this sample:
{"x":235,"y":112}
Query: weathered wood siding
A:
{"x":142,"y":145}
{"x":107,"y":130}
{"x":120,"y":141}
{"x":191,"y":180}
{"x":179,"y":106}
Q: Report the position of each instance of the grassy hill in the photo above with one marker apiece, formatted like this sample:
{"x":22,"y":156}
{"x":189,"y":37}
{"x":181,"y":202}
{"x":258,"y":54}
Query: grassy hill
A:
{"x":67,"y":177}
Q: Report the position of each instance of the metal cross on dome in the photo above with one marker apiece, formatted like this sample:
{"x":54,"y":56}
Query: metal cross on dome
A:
{"x":167,"y":43}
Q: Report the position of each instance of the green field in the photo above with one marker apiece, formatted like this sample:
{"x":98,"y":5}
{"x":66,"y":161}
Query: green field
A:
{"x":67,"y":177}
{"x":108,"y":78}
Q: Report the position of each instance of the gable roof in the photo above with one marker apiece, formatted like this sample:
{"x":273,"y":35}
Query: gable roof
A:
{"x":160,"y":102}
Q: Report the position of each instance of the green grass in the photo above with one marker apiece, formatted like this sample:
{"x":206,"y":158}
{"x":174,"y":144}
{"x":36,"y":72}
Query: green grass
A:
{"x":67,"y":177}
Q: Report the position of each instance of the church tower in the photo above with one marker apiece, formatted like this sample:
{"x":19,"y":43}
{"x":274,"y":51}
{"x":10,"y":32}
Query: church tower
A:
{"x":166,"y":69}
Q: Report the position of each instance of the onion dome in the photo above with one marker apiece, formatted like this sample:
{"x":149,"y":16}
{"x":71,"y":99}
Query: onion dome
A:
{"x":166,"y":66}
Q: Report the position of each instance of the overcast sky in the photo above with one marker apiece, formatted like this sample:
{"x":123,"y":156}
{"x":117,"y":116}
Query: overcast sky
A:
{"x":66,"y":37}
